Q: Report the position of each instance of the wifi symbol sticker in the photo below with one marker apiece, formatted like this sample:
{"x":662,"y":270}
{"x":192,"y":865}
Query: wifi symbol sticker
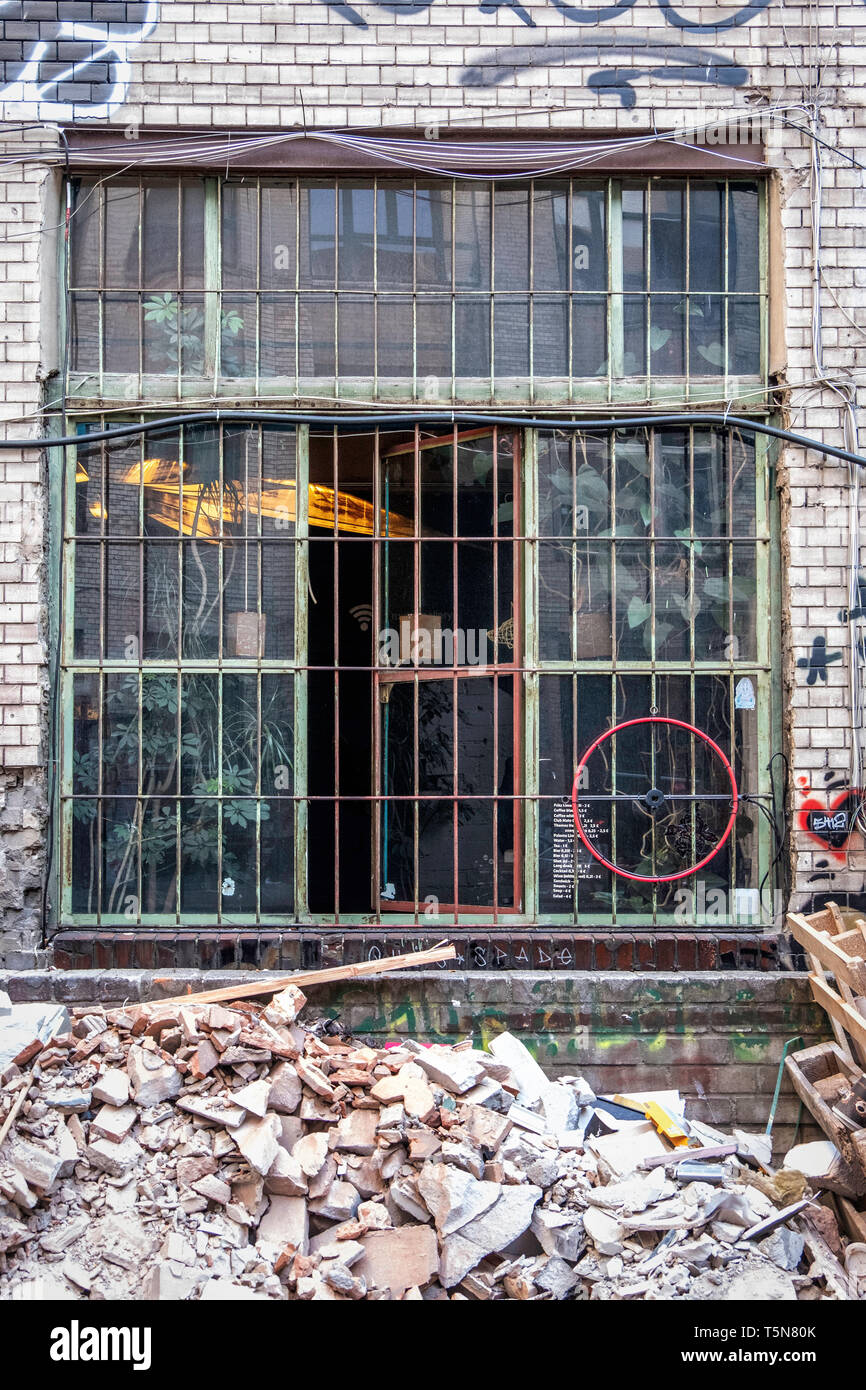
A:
{"x":363,"y":615}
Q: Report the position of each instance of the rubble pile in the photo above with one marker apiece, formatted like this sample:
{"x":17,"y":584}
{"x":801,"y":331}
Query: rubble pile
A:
{"x":216,"y":1152}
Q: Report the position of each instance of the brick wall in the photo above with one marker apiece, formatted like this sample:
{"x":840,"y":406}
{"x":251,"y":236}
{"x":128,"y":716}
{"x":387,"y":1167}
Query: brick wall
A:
{"x":451,"y":67}
{"x":718,"y":1039}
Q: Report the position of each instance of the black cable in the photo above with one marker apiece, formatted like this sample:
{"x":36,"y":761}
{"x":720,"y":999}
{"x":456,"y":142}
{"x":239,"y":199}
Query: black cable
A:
{"x":437,"y":417}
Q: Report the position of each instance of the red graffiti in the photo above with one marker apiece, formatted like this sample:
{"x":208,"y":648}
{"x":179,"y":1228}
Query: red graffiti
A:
{"x":830,"y":825}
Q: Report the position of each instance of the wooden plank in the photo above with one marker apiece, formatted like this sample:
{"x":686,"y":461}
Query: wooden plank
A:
{"x":854,"y":1174}
{"x":847,"y":968}
{"x":671,"y":1160}
{"x":836,"y":917}
{"x":846,"y":1016}
{"x":853,"y":1220}
{"x":310,"y":977}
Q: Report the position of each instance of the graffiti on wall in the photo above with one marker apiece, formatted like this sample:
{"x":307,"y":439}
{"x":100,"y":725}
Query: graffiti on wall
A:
{"x":828,"y":817}
{"x":577,"y":14}
{"x":73,"y":61}
{"x":66,"y":59}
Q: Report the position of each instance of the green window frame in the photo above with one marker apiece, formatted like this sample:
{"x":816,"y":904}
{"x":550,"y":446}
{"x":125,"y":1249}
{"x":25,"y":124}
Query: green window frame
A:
{"x":192,"y":726}
{"x":184,"y":744}
{"x":410,"y":290}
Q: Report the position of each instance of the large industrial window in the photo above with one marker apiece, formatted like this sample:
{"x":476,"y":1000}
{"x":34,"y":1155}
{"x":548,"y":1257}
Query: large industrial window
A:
{"x":347,"y":676}
{"x":556,"y":291}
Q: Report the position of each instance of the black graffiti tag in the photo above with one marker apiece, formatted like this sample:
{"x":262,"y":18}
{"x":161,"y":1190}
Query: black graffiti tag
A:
{"x":578,"y":14}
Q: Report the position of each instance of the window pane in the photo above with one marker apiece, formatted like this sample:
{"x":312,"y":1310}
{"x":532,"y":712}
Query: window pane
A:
{"x":239,"y":211}
{"x":667,"y":237}
{"x":672,"y":606}
{"x":744,"y":337}
{"x":159,"y":238}
{"x":550,"y":336}
{"x":633,"y":237}
{"x":316,"y":332}
{"x":192,"y":234}
{"x":277,"y":239}
{"x":433,"y":237}
{"x":671,"y":482}
{"x":555,"y":601}
{"x":472,"y":337}
{"x":706,"y":237}
{"x":633,"y":505}
{"x":123,"y":222}
{"x":318,"y":261}
{"x":743,"y":239}
{"x":394,"y":336}
{"x":472,"y":238}
{"x":511,"y":238}
{"x":356,"y":335}
{"x":706,"y":335}
{"x":122,"y":328}
{"x":633,"y":601}
{"x":667,"y":335}
{"x":511,"y":336}
{"x":710,"y":486}
{"x":589,"y":329}
{"x":712,"y":612}
{"x":356,"y":212}
{"x":550,"y":237}
{"x":84,"y":241}
{"x":589,"y":239}
{"x":395,"y":214}
{"x":277,"y":328}
{"x":433,"y":344}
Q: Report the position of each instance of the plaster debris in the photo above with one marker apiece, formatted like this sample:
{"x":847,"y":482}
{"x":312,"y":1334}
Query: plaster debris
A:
{"x":300,"y":1165}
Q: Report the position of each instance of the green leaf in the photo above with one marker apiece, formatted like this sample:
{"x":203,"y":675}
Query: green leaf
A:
{"x":713,"y":353}
{"x":638,"y":611}
{"x":658,"y":337}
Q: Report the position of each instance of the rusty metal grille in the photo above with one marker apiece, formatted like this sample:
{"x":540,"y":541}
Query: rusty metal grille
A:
{"x":346,"y":675}
{"x":559,"y":291}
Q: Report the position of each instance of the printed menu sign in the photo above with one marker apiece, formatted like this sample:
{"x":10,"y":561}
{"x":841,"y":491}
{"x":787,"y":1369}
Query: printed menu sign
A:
{"x":596,"y":828}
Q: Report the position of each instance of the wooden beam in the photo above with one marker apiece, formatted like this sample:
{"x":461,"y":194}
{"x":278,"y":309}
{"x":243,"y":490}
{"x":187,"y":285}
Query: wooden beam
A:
{"x":312,"y":977}
{"x":843,"y":1014}
{"x":848,"y":969}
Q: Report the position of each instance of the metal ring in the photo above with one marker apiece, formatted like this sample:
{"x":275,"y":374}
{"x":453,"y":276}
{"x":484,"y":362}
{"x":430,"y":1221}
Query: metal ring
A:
{"x":654,"y":878}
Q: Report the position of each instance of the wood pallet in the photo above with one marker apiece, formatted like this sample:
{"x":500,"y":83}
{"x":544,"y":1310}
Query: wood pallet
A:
{"x":832,"y":945}
{"x":819,"y":1074}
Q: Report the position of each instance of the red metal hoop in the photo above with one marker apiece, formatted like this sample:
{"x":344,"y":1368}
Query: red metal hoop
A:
{"x":655,"y":878}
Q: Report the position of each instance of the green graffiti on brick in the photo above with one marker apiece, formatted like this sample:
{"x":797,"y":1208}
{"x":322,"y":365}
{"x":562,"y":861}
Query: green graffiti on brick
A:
{"x":747,"y":1046}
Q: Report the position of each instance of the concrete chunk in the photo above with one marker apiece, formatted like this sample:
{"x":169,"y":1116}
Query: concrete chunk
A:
{"x":399,"y":1259}
{"x":507,"y":1219}
{"x":285,"y":1096}
{"x":151,"y":1079}
{"x":284,"y":1223}
{"x":453,"y":1071}
{"x":114,"y":1158}
{"x":258,"y":1142}
{"x":112,"y":1088}
{"x":523,"y":1066}
{"x":453,"y":1196}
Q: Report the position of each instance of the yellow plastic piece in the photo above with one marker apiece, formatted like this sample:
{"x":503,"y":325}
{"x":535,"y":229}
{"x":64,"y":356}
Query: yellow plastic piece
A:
{"x":666,"y":1125}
